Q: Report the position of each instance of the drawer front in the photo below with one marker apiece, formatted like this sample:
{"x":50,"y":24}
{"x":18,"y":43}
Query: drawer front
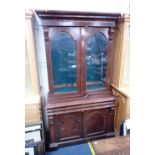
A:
{"x":68,"y":126}
{"x":98,"y":122}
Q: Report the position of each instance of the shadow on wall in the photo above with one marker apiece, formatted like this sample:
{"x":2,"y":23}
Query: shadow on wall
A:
{"x":42,"y":66}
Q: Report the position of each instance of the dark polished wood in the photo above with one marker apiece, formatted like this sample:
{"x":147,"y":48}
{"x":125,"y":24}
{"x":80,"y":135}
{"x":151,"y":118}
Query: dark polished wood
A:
{"x":50,"y":14}
{"x":75,"y":23}
{"x":85,"y":114}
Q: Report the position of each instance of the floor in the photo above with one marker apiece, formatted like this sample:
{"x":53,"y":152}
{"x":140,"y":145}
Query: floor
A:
{"x":80,"y":149}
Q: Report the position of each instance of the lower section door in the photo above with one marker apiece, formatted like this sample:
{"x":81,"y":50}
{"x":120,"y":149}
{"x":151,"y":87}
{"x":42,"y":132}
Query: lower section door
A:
{"x":69,"y":126}
{"x":97,"y":122}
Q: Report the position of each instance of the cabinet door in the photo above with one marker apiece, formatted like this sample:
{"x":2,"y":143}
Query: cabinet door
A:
{"x":98,"y":122}
{"x":96,"y":57}
{"x":63,"y":60}
{"x":69,"y":126}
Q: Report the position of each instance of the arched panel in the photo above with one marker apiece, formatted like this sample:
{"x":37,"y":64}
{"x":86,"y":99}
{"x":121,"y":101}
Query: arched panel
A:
{"x":94,"y":122}
{"x":63,"y":57}
{"x":69,"y":126}
{"x":96,"y":61}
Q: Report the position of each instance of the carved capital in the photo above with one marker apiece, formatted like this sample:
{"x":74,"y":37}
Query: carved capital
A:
{"x":125,"y":18}
{"x":111,"y":32}
{"x":46,"y":33}
{"x":50,"y":118}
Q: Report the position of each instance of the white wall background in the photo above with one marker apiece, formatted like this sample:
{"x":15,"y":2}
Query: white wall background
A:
{"x":120,"y":6}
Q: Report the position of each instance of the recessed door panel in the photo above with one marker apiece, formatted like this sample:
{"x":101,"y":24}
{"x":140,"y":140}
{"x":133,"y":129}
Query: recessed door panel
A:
{"x":98,"y":122}
{"x":69,"y":126}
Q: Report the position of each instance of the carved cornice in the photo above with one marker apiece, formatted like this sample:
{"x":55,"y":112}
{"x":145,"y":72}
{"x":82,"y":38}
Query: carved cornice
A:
{"x":72,"y":18}
{"x":49,"y":14}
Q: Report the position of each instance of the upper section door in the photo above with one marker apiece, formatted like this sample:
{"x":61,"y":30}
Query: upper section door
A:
{"x":96,"y":57}
{"x":63,"y":60}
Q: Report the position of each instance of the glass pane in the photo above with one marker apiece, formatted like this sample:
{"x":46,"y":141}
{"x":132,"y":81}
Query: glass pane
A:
{"x":96,"y":61}
{"x":63,"y":56}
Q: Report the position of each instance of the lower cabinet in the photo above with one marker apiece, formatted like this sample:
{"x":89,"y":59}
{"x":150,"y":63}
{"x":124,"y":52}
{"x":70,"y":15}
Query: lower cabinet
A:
{"x":82,"y":125}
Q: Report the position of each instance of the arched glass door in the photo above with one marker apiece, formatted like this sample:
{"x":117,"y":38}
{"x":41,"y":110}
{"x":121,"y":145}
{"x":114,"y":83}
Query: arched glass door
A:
{"x":63,"y":57}
{"x":96,"y":61}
